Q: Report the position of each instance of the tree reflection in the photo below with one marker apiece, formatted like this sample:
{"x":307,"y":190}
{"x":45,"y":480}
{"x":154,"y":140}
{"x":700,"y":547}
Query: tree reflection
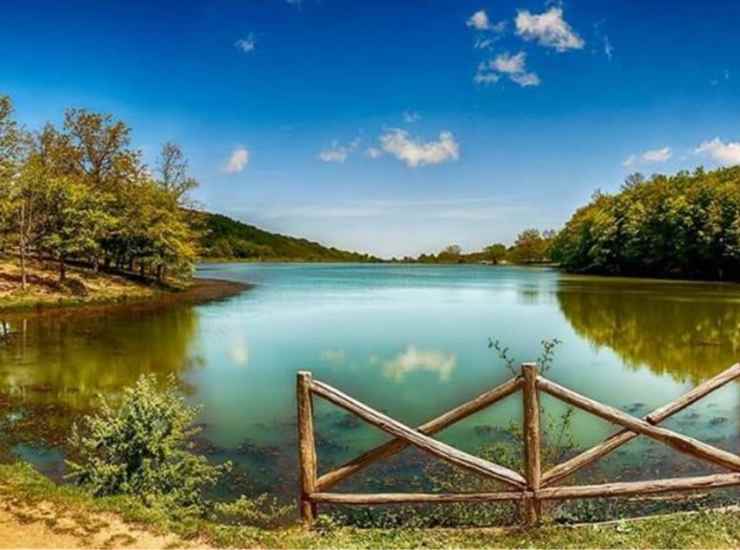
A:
{"x":690,"y":331}
{"x":68,"y":360}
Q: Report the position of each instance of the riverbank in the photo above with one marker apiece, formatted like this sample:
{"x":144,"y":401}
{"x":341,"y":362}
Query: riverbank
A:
{"x":87,"y":290}
{"x":36,"y":513}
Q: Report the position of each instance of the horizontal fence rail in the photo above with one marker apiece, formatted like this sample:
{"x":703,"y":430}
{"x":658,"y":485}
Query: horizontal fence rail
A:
{"x":532,"y":486}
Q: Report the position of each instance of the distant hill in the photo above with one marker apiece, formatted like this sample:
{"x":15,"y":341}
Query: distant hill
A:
{"x":225,"y":238}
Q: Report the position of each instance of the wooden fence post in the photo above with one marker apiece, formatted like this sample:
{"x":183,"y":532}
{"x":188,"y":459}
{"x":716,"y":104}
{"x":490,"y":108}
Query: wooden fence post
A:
{"x":532,"y":466}
{"x":306,"y":447}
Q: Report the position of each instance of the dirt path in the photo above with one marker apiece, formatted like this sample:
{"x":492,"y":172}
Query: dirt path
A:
{"x":47,"y":526}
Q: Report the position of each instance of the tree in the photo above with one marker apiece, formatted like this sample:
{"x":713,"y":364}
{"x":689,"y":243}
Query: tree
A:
{"x":529,"y":247}
{"x":173,"y":172}
{"x":495,"y":253}
{"x":75,"y":217}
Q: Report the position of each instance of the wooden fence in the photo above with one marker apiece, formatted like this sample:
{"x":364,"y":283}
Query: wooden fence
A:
{"x":529,"y":487}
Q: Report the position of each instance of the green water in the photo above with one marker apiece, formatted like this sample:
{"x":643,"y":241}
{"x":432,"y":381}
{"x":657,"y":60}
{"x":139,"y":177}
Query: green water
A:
{"x":409,"y":340}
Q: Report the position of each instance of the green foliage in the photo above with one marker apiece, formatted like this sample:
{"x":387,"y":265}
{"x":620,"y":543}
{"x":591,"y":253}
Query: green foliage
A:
{"x":225,"y":238}
{"x":686,"y":225}
{"x":141,"y":447}
{"x":81,"y":193}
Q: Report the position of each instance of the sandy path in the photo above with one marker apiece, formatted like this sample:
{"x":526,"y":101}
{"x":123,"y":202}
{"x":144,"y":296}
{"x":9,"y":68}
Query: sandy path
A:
{"x":46,"y":526}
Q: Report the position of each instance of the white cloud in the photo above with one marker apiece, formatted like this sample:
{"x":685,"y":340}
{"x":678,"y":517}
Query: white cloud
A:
{"x":513,"y":66}
{"x":337,"y":152}
{"x":238,"y":161}
{"x":651,"y":155}
{"x":247,"y":44}
{"x":479,"y":21}
{"x":410,"y":117}
{"x":723,"y":153}
{"x":657,"y":155}
{"x":549,"y":29}
{"x":418,"y":153}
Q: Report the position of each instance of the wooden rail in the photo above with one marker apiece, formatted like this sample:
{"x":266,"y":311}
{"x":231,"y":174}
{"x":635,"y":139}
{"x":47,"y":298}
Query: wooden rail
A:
{"x":530,"y":487}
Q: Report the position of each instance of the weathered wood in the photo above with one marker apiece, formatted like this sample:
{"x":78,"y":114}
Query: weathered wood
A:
{"x":679,"y":442}
{"x":604,"y":490}
{"x":416,"y":498}
{"x":532,"y":465}
{"x":395,"y":446}
{"x":618,"y":439}
{"x":306,"y":447}
{"x":437,"y":448}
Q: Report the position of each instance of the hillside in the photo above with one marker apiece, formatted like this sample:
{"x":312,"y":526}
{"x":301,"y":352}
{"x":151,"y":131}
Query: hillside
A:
{"x":225,"y":238}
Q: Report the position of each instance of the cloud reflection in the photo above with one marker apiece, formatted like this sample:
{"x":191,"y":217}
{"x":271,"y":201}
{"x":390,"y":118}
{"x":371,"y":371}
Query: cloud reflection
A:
{"x":413,"y":359}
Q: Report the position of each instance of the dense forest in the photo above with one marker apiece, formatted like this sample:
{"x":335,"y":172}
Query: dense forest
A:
{"x":81,"y":194}
{"x":685,"y":225}
{"x":224,"y":238}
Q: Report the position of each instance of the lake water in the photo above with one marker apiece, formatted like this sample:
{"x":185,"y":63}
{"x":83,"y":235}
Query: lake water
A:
{"x":408,"y":340}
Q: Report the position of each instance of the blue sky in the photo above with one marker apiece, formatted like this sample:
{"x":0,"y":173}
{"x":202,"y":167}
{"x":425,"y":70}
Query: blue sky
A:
{"x":393,"y":127}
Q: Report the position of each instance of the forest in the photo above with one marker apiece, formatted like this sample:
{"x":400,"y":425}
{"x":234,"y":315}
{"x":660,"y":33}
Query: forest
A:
{"x":81,"y":194}
{"x":686,"y":225}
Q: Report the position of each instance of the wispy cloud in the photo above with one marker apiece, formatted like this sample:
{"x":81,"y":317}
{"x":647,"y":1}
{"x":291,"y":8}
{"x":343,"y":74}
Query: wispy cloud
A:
{"x":726,"y":153}
{"x":246,"y":45}
{"x":373,"y":152}
{"x":649,"y":156}
{"x":409,"y":117}
{"x":337,"y":152}
{"x":608,"y":48}
{"x":512,"y":66}
{"x":549,"y":29}
{"x":489,"y":32}
{"x":415,"y":152}
{"x":237,"y":161}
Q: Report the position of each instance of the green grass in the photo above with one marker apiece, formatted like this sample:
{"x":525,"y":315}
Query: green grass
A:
{"x":715,"y":529}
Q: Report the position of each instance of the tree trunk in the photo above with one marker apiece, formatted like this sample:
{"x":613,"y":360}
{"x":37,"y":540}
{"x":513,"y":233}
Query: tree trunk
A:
{"x":22,"y":246}
{"x":62,"y":270}
{"x":141,"y":269}
{"x":160,"y":273}
{"x":96,"y":264}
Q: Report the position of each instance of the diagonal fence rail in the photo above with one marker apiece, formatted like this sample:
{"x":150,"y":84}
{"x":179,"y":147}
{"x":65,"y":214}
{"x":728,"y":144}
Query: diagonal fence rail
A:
{"x":530,"y":487}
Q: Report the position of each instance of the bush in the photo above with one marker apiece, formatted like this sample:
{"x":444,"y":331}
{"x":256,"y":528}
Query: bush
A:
{"x":142,"y":447}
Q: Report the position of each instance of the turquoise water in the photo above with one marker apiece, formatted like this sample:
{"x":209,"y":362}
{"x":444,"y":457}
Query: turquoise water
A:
{"x":409,"y":340}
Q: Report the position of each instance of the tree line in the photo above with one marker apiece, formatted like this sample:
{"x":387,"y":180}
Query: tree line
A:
{"x":685,"y":225}
{"x":81,"y":194}
{"x":531,"y":246}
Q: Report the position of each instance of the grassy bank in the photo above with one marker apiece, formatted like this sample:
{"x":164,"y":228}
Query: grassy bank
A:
{"x":28,"y":498}
{"x":84,"y":287}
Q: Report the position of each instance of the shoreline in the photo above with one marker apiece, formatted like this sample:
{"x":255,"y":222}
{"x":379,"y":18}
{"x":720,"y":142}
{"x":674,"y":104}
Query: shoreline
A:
{"x":201,"y":290}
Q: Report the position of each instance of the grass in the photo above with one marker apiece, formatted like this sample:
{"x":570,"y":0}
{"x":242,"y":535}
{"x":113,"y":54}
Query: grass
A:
{"x":20,"y":483}
{"x":82,"y":287}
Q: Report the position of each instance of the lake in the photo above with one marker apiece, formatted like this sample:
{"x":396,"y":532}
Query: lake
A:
{"x":411,"y":340}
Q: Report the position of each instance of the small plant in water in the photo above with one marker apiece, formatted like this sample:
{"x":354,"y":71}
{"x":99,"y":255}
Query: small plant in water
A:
{"x":544,"y":361}
{"x":141,"y":447}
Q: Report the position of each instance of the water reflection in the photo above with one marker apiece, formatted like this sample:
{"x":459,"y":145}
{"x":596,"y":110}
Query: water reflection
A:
{"x":688,"y":331}
{"x":413,"y":360}
{"x":48,"y":359}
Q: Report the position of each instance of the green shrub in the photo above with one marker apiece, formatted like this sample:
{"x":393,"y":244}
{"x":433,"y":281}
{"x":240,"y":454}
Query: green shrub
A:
{"x":141,"y":447}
